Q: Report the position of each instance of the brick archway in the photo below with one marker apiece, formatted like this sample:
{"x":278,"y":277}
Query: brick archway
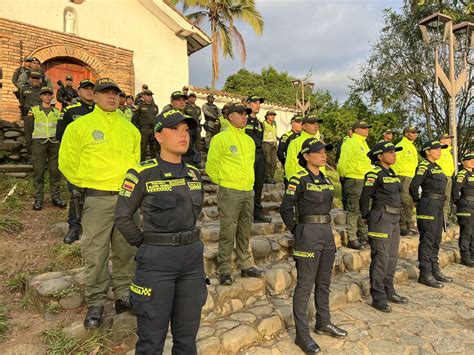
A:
{"x":57,"y":50}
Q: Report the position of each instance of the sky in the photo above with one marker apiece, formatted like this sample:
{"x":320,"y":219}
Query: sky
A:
{"x":329,"y":38}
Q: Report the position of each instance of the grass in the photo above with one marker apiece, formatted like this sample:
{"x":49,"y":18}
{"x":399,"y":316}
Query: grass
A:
{"x":54,"y":308}
{"x":65,"y":256}
{"x":10,"y":224}
{"x":66,"y":292}
{"x":3,"y":324}
{"x":59,"y":343}
{"x":17,"y":283}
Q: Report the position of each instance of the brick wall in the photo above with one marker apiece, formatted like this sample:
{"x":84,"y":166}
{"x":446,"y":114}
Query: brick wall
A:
{"x":19,"y":40}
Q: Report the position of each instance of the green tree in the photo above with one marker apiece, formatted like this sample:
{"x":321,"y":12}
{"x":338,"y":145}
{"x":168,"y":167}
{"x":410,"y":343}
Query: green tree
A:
{"x":222,"y":15}
{"x":399,"y":74}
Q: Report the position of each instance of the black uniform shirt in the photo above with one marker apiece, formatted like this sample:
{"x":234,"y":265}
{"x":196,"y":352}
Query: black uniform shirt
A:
{"x":308,"y":194}
{"x":383,"y":187}
{"x":254,"y":129}
{"x":463,"y":186}
{"x":70,"y":114}
{"x":144,"y":115}
{"x":170,"y":197}
{"x":283,"y":145}
{"x":430,"y":177}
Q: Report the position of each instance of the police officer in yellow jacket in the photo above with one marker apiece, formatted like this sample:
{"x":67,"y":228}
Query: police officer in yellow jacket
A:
{"x":169,"y":283}
{"x":353,"y":165}
{"x":380,"y":206}
{"x":404,"y":167}
{"x":230,"y":164}
{"x":269,"y":146}
{"x":305,"y":211}
{"x":124,"y":109}
{"x":463,"y":197}
{"x":45,"y":148}
{"x":429,"y":213}
{"x":310,"y":130}
{"x":288,"y":137}
{"x":96,"y":152}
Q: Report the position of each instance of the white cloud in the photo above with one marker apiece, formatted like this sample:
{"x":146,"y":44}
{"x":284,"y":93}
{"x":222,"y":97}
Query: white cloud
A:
{"x":332,"y":37}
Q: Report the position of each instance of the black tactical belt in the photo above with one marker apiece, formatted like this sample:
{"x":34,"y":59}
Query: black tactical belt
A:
{"x":388,"y":209}
{"x":172,"y":239}
{"x":315,"y":218}
{"x":468,"y":198}
{"x":94,"y":192}
{"x":433,"y":196}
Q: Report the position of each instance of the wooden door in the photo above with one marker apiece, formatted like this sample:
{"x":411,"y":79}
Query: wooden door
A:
{"x":59,"y":68}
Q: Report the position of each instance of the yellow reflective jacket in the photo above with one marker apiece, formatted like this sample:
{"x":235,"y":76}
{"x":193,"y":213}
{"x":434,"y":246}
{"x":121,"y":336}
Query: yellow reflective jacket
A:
{"x":231,"y":158}
{"x":97,"y":150}
{"x":354,"y":162}
{"x":127,"y":113}
{"x":44,"y":124}
{"x":292,"y":167}
{"x":269,"y":132}
{"x":446,"y":161}
{"x":407,"y":159}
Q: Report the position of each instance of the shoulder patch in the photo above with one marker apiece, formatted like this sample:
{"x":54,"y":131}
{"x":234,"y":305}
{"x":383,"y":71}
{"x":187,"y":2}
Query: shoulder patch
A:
{"x":302,"y":173}
{"x":191,"y":166}
{"x":146,"y":165}
{"x":425,"y":162}
{"x":421,"y":169}
{"x":77,"y":104}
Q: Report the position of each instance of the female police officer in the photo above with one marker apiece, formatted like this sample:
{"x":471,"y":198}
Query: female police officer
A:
{"x":169,"y":282}
{"x":309,"y":192}
{"x":429,"y":213}
{"x":382,"y":187}
{"x":463,"y":197}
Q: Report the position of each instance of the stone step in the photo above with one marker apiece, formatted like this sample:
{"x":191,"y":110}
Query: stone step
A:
{"x":12,"y":168}
{"x":249,"y":312}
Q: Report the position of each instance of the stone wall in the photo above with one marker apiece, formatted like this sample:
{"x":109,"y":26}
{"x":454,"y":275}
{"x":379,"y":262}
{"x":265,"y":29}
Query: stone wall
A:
{"x":20,"y":40}
{"x":12,"y":141}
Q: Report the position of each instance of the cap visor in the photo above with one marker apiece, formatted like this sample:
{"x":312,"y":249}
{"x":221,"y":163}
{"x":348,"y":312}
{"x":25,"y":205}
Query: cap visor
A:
{"x":444,"y":146}
{"x":397,"y":149}
{"x":191,"y":123}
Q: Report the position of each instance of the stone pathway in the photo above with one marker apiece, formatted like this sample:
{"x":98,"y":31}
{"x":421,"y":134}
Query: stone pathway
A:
{"x":434,"y":322}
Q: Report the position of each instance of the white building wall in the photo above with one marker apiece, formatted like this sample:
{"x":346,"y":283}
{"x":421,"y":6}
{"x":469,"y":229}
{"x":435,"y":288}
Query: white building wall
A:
{"x":160,"y":57}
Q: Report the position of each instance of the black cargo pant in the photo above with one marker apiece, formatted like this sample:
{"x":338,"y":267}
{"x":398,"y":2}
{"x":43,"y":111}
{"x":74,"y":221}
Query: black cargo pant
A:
{"x":384,"y":240}
{"x":429,"y":216}
{"x":75,"y":210}
{"x":259,"y":168}
{"x":169,"y":285}
{"x":313,"y":272}
{"x":465,"y":214}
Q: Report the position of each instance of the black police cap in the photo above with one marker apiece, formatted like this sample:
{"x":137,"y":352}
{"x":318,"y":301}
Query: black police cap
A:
{"x":106,"y":83}
{"x":382,"y":147}
{"x":312,"y":119}
{"x":433,"y":145}
{"x":85,"y":83}
{"x":178,"y":94}
{"x":238,"y":107}
{"x":255,"y":98}
{"x":312,"y":145}
{"x":172,"y":118}
{"x":468,"y":156}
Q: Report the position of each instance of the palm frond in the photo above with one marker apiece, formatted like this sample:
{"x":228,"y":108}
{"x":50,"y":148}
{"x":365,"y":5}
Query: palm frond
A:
{"x":239,"y":42}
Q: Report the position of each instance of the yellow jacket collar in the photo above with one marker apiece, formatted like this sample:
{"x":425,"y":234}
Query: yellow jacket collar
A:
{"x":358,"y":137}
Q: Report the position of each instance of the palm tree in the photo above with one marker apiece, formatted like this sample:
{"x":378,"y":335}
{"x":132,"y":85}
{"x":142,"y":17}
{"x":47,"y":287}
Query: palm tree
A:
{"x":222,"y":14}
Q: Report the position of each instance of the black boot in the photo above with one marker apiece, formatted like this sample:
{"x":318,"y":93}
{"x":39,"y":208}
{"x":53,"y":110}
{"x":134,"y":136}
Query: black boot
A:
{"x":466,"y":260}
{"x":59,"y":203}
{"x":122,"y":305}
{"x":71,"y":236}
{"x":331,"y":330}
{"x":307,"y":344}
{"x":94,"y":317}
{"x":38,"y":205}
{"x":430,"y":281}
{"x":439,"y":276}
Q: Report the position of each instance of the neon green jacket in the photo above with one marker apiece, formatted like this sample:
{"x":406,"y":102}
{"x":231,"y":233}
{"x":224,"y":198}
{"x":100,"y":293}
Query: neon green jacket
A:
{"x":354,"y":162}
{"x":269,"y":133}
{"x":97,"y":150}
{"x":407,"y":159}
{"x":292,"y":167}
{"x":446,"y":161}
{"x":231,"y":158}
